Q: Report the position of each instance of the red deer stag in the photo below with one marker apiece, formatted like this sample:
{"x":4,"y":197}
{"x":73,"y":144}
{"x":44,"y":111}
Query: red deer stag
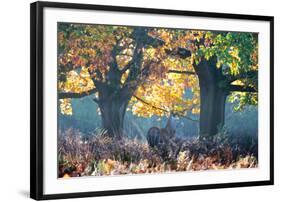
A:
{"x":157,"y":136}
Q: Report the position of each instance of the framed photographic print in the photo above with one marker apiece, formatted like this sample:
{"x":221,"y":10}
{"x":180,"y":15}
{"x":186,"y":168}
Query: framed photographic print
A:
{"x":134,"y":100}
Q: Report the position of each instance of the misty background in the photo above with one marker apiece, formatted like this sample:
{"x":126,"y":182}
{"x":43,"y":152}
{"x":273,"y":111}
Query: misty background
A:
{"x":86,"y":119}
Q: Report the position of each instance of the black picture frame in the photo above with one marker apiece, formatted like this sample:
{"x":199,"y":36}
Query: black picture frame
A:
{"x":37,"y":101}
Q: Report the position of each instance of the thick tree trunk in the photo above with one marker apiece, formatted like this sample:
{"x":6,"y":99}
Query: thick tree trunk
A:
{"x":113,"y":101}
{"x":212,"y":98}
{"x":112,"y":114}
{"x":212,"y":110}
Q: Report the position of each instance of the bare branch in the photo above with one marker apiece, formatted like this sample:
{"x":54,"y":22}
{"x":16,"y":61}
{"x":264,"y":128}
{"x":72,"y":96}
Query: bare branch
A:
{"x":154,"y":107}
{"x":161,"y":109}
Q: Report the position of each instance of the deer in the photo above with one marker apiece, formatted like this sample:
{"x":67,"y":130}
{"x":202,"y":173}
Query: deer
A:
{"x":157,"y":136}
{"x":164,"y":141}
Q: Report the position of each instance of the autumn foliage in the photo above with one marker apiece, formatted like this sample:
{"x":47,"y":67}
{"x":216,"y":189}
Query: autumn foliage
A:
{"x":154,"y":72}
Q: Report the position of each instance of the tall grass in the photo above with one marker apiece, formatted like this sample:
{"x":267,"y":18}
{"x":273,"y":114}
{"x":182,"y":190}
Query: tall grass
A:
{"x":98,"y":154}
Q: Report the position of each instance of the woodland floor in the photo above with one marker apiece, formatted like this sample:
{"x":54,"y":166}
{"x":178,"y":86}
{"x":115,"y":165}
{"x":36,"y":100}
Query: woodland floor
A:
{"x":99,"y":155}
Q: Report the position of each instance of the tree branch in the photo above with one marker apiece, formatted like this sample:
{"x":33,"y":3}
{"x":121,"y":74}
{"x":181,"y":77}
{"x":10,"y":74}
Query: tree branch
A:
{"x":239,"y":88}
{"x":154,"y":107}
{"x":179,"y":52}
{"x":161,"y":109}
{"x":64,"y":95}
{"x":181,"y":72}
{"x":128,"y":66}
{"x":245,"y":75}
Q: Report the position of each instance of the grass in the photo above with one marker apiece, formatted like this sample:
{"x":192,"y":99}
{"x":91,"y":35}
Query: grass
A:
{"x":99,"y":155}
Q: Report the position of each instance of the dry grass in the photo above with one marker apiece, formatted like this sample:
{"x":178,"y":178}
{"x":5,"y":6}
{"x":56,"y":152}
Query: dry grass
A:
{"x":99,"y":155}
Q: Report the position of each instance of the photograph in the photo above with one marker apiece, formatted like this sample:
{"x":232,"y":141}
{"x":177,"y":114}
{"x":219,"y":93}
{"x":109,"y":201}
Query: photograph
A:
{"x":133,"y":100}
{"x":140,"y":100}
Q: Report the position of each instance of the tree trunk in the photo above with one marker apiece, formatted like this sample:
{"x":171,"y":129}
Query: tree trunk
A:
{"x":112,"y":114}
{"x":212,"y":98}
{"x":212,"y":110}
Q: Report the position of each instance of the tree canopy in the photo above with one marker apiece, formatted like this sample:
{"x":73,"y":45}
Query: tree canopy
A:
{"x":153,"y":71}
